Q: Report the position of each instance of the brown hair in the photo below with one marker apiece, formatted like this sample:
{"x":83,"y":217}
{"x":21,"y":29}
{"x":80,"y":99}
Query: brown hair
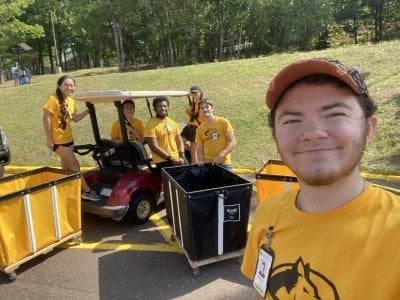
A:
{"x":61,"y":101}
{"x":128,"y":101}
{"x":206,"y":101}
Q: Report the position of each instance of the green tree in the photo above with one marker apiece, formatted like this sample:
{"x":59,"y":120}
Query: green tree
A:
{"x":377,"y":8}
{"x":13,"y":30}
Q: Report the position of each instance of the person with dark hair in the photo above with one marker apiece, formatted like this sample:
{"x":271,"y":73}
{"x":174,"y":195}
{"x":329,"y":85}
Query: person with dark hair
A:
{"x":162,"y":135}
{"x":189,"y":131}
{"x":58,"y":112}
{"x":337,"y":236}
{"x":215,"y":138}
{"x":134,"y":127}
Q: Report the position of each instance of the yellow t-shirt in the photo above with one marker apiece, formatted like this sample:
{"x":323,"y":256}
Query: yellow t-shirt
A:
{"x":351,"y":252}
{"x":60,"y":136}
{"x":165,"y":131}
{"x":214,"y":140}
{"x":116,"y":132}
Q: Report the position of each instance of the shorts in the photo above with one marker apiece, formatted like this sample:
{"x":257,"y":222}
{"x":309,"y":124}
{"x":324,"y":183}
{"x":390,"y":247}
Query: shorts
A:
{"x":55,"y":146}
{"x":189,"y":132}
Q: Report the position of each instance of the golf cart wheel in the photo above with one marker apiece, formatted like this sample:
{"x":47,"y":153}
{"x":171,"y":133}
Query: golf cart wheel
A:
{"x":140,"y":209}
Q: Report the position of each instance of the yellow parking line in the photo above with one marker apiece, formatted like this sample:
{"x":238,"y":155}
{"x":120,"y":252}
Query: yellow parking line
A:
{"x":173,"y":247}
{"x":162,"y":227}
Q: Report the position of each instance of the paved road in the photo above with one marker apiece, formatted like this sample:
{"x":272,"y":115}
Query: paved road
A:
{"x":121,"y":261}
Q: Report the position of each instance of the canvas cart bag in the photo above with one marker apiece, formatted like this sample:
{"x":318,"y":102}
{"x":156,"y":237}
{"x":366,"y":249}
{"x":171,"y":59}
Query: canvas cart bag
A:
{"x":38,"y":209}
{"x":208,"y":209}
{"x":274,"y":177}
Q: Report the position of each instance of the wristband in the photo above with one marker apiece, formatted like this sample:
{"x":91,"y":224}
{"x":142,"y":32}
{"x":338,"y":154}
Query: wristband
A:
{"x":169,"y":158}
{"x":181,"y":154}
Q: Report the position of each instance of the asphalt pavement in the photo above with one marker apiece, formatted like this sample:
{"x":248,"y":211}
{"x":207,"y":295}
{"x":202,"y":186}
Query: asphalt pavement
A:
{"x":120,"y":261}
{"x":116,"y":260}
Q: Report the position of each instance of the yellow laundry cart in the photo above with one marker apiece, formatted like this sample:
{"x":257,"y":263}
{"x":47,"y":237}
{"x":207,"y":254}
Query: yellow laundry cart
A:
{"x":39,"y":210}
{"x":274,"y":177}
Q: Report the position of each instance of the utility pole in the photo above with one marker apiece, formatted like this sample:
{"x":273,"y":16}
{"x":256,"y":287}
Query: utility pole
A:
{"x":58,"y":67}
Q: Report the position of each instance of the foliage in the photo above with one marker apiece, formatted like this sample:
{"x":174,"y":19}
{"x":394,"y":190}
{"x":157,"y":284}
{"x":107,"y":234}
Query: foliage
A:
{"x":145,"y":34}
{"x":13,"y":30}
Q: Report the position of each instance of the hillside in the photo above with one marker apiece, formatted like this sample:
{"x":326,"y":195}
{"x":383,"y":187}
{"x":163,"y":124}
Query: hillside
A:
{"x":238,"y":89}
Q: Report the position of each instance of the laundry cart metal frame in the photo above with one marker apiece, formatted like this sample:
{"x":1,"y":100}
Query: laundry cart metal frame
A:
{"x":39,"y":210}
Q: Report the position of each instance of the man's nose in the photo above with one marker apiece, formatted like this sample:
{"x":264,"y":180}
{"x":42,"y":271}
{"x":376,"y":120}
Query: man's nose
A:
{"x":313,"y":129}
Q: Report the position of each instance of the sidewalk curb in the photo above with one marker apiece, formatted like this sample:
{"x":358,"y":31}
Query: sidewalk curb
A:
{"x":20,"y":169}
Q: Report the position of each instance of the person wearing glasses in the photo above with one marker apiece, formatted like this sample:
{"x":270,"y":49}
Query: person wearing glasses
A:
{"x":134,"y":127}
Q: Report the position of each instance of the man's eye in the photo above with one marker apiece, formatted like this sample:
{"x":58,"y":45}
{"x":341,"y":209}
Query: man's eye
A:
{"x":335,"y":114}
{"x":291,"y":121}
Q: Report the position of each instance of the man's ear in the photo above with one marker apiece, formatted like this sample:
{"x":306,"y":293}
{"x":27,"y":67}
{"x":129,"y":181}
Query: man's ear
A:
{"x":372,"y":124}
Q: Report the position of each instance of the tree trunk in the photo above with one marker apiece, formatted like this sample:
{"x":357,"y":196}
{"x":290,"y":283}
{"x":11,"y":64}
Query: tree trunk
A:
{"x":170,"y":48}
{"x":355,"y":31}
{"x":40,"y":62}
{"x":117,"y":41}
{"x":1,"y":71}
{"x":121,"y":48}
{"x":50,"y":53}
{"x":221,"y":35}
{"x":166,"y":45}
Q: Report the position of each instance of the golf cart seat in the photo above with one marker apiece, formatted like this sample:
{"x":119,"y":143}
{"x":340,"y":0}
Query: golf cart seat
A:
{"x":140,"y":153}
{"x":116,"y":154}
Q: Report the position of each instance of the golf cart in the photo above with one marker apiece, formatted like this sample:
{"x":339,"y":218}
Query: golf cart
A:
{"x":4,"y":152}
{"x":125,"y":175}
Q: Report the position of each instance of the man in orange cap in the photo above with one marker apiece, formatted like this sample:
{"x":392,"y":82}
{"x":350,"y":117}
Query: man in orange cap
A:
{"x":337,"y":236}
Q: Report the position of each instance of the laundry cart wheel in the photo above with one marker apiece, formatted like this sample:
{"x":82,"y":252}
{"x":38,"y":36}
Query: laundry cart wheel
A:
{"x":12,"y":276}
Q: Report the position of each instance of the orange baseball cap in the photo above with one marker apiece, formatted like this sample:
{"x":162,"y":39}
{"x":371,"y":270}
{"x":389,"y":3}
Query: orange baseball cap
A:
{"x":313,"y":66}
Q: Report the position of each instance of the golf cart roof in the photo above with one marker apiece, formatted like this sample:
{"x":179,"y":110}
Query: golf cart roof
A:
{"x":108,"y":96}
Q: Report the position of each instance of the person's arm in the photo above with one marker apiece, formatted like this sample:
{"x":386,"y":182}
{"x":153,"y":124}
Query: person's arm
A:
{"x":80,"y":116}
{"x":47,"y":128}
{"x":181,"y":149}
{"x":228,"y":148}
{"x":152,"y":141}
{"x":200,"y":154}
{"x":188,"y":111}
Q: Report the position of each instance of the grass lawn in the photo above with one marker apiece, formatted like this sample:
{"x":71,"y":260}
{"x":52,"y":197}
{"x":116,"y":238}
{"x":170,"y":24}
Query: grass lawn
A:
{"x":238,"y":90}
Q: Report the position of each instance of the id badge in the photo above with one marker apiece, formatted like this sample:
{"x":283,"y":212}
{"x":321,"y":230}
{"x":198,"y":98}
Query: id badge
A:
{"x":168,"y":128}
{"x":264,"y":265}
{"x":215,"y":136}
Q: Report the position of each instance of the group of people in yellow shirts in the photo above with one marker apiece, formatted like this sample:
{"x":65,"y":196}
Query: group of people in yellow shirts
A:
{"x":210,"y":138}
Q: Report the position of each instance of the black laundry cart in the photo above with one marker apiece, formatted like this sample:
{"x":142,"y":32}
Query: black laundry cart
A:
{"x":208,"y":211}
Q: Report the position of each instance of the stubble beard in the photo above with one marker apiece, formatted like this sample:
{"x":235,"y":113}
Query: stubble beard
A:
{"x":161,"y":116}
{"x":322,"y":177}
